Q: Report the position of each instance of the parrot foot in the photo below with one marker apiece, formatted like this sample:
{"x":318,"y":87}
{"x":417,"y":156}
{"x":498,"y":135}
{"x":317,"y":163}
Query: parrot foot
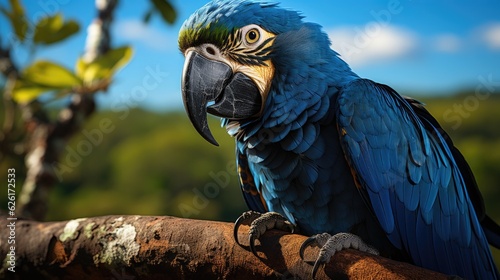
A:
{"x":331,"y":244}
{"x":259,"y":224}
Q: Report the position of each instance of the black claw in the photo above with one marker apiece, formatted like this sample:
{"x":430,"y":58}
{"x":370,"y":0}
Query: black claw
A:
{"x":316,"y":266}
{"x":305,"y":244}
{"x":252,"y":239}
{"x":237,"y":225}
{"x":245,"y":219}
{"x":267,"y":221}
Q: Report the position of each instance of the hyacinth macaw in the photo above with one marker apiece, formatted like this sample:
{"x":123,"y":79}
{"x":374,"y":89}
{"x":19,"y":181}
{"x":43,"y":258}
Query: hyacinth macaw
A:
{"x":340,"y":158}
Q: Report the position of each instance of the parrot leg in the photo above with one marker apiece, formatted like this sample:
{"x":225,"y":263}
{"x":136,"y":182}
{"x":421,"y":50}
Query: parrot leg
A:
{"x":330,"y":244}
{"x":259,"y":224}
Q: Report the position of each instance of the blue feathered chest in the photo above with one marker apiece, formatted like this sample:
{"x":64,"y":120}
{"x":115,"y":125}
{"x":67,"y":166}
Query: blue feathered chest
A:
{"x":296,"y":163}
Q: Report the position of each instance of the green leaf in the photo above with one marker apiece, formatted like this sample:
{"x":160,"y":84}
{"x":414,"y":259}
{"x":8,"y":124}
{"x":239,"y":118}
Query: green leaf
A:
{"x":42,"y":77}
{"x":17,"y":19}
{"x":20,"y":28}
{"x":166,"y":10}
{"x":80,"y":67}
{"x":17,"y":8}
{"x":53,"y":29}
{"x":105,"y":65}
{"x":147,"y":15}
{"x":49,"y":74}
{"x":25,"y":92}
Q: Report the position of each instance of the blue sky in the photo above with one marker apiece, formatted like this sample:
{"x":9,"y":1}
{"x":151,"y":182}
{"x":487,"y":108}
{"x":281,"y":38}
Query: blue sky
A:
{"x":421,"y":47}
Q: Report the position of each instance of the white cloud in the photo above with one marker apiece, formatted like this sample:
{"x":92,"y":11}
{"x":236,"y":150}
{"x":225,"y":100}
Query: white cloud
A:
{"x":372,"y":43}
{"x":448,"y":43}
{"x":136,"y":30}
{"x":490,"y":34}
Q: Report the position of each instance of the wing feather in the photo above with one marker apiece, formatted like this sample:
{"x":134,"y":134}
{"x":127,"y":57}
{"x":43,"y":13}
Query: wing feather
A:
{"x":414,"y":179}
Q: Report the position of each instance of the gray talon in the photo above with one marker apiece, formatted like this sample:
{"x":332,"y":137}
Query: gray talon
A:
{"x":309,"y":241}
{"x":259,"y":224}
{"x":317,"y":240}
{"x":252,"y":239}
{"x":245,"y":219}
{"x":332,"y":244}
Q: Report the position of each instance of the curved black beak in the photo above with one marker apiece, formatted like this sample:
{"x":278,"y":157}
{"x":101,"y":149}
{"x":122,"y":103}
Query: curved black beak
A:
{"x":233,"y":96}
{"x":202,"y":81}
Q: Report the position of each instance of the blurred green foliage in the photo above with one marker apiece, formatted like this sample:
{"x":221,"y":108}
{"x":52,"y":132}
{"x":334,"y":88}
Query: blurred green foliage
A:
{"x":146,"y":163}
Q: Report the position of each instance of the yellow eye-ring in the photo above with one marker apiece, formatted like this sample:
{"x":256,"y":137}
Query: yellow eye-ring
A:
{"x":252,"y":36}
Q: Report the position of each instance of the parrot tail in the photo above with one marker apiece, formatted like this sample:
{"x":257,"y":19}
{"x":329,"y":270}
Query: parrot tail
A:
{"x":492,"y":231}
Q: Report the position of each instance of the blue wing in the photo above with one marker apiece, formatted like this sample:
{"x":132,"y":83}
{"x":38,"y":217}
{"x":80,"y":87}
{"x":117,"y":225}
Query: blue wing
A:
{"x":409,"y":174}
{"x":253,"y":197}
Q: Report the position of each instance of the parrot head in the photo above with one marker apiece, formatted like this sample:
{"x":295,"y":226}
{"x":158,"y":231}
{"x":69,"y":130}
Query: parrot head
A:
{"x":229,"y":48}
{"x":253,"y":62}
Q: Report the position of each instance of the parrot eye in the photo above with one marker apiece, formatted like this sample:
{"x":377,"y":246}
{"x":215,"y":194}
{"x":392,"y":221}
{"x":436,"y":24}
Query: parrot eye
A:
{"x":252,"y":36}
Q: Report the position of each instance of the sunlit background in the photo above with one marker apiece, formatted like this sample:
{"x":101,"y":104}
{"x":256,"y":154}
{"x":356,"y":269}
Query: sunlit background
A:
{"x":419,"y":46}
{"x":446,"y":53}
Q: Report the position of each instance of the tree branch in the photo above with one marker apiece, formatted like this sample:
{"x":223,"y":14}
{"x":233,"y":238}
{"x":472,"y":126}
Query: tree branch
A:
{"x":143,"y":247}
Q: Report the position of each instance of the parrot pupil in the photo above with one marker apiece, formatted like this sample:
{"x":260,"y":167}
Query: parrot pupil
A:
{"x":252,"y":36}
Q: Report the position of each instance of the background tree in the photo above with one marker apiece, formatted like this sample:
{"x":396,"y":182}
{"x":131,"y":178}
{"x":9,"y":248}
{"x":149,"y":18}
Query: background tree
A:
{"x":24,"y":89}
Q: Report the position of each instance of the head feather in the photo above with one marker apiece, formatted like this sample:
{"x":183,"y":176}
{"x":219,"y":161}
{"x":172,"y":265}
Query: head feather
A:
{"x":217,"y":20}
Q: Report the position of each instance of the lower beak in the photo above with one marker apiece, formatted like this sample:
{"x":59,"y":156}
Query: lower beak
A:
{"x":232,"y":96}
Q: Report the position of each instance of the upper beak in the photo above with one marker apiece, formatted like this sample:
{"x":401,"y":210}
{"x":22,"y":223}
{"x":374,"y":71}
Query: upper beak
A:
{"x":234,"y":96}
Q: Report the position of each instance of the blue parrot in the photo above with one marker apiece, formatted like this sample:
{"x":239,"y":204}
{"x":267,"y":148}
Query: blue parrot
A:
{"x":342,"y":159}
